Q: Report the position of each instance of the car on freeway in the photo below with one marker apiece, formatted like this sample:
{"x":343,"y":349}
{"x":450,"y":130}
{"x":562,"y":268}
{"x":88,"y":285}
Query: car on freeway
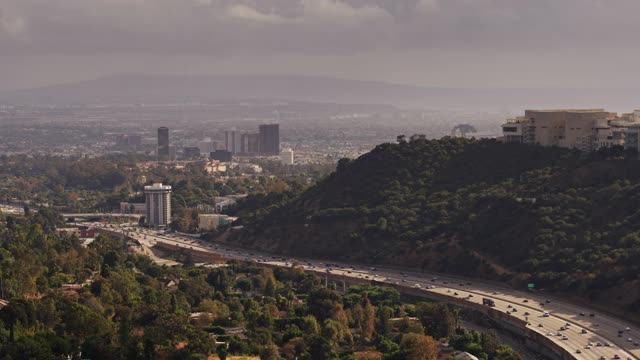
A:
{"x":583,"y":331}
{"x":578,"y":351}
{"x":549,"y":333}
{"x":588,"y":347}
{"x":525,"y":301}
{"x":540,"y":325}
{"x":565,"y":337}
{"x":629,"y":340}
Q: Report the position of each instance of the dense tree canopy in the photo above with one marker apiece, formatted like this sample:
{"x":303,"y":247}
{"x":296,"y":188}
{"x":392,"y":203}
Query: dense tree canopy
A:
{"x":552,"y":216}
{"x":105,"y":302}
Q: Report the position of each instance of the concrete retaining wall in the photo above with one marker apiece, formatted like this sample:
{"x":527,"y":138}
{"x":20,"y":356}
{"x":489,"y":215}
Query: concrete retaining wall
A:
{"x":515,"y":326}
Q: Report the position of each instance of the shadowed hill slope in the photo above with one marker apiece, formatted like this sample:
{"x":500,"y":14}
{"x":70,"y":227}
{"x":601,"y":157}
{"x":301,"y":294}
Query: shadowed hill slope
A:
{"x":516,"y":212}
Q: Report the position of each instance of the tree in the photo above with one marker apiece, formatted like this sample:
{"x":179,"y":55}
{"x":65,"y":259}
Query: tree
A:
{"x":368,"y":320}
{"x":269,"y":352}
{"x":419,"y":347}
{"x":504,"y":352}
{"x":323,"y":303}
{"x":309,"y":325}
{"x":6,"y":261}
{"x":437,"y":319}
{"x":334,"y":331}
{"x":13,"y":313}
{"x":490,"y":342}
{"x":294,"y":348}
{"x":383,"y":321}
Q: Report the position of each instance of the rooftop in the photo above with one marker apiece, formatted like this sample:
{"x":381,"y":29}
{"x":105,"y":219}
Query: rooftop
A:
{"x":157,"y":186}
{"x":568,"y":110}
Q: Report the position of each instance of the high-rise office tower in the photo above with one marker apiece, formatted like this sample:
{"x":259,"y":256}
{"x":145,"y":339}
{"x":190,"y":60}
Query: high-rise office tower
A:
{"x":270,"y":139}
{"x":233,"y":141}
{"x":250,"y":143}
{"x":158,"y":203}
{"x":163,"y":142}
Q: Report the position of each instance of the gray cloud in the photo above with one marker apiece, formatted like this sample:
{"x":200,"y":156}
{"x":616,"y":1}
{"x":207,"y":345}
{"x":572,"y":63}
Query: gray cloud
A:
{"x":430,"y":42}
{"x":222,"y":26}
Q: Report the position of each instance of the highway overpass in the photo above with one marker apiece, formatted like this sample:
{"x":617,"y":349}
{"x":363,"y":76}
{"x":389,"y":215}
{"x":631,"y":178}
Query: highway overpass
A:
{"x":568,"y":330}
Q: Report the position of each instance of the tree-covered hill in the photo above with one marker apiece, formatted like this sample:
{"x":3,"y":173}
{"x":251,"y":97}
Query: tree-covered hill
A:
{"x":476,"y":207}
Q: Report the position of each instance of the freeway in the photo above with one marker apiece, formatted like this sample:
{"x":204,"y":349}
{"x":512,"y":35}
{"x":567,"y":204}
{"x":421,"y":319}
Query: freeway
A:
{"x":102,"y":215}
{"x":582,"y":332}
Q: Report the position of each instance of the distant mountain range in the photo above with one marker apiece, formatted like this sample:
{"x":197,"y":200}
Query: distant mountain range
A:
{"x":131,"y":89}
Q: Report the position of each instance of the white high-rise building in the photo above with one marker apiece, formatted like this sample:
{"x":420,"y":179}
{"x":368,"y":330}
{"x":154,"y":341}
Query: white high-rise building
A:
{"x":286,"y":157}
{"x":158,"y":203}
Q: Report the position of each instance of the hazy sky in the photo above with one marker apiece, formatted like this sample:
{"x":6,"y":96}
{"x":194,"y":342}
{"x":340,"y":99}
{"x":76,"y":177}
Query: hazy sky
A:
{"x":457,"y":43}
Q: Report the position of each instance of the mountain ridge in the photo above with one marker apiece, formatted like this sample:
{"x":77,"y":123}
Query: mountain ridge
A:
{"x":150,"y":88}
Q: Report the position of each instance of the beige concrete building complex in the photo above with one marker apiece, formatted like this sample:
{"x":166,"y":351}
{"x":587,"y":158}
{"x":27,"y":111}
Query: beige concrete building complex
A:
{"x":582,"y":129}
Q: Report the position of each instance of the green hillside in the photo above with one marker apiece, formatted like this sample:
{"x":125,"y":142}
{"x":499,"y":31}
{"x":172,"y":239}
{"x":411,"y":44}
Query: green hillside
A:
{"x":501,"y":211}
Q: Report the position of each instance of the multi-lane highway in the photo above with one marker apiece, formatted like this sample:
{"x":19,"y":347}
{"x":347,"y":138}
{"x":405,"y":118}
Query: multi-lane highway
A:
{"x":582,"y":332}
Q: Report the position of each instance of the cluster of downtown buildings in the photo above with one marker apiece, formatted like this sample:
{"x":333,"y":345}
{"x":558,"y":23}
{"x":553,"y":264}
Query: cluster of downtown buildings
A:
{"x":266,"y":142}
{"x":157,"y":206}
{"x":582,"y":129}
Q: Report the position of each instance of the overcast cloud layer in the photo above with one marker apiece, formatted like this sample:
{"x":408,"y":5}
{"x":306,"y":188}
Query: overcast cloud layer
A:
{"x":573,"y":42}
